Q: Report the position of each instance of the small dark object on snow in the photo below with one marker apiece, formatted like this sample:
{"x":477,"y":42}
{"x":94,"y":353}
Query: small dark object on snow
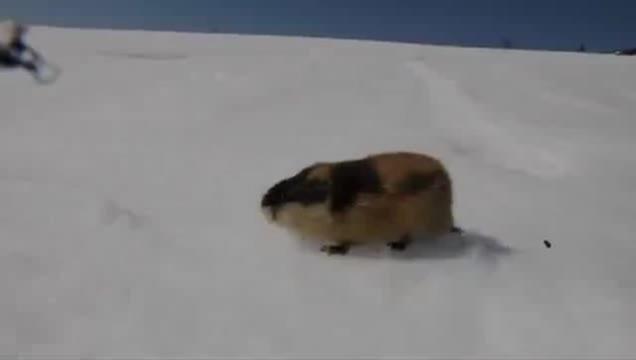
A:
{"x":547,"y":244}
{"x":628,"y":52}
{"x":15,"y":53}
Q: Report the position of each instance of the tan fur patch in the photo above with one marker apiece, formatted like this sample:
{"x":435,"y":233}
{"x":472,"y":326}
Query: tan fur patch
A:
{"x":320,"y":171}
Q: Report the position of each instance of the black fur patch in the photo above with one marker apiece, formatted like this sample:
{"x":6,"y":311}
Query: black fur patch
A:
{"x":417,"y":182}
{"x":309,"y":192}
{"x":350,"y":178}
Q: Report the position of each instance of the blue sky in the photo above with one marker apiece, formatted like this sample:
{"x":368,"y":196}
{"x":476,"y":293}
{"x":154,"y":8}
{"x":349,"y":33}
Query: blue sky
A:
{"x":539,"y":24}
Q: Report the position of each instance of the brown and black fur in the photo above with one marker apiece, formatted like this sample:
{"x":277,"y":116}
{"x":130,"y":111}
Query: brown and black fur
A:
{"x":388,"y":198}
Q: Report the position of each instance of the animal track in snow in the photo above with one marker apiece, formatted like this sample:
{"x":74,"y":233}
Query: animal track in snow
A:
{"x":112,"y":212}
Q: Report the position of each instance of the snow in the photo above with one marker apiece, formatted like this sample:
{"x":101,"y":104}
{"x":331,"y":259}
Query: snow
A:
{"x":130,"y":224}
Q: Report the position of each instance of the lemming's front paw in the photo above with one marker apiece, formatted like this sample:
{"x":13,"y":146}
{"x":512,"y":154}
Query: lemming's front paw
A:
{"x":398,"y":245}
{"x":339,"y":249}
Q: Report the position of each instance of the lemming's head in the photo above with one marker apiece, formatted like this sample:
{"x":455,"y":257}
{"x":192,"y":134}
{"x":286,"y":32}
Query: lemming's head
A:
{"x":308,"y":187}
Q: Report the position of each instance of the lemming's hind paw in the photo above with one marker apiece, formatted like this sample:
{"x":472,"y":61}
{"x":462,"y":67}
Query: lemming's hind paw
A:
{"x":400,"y":245}
{"x":339,"y":249}
{"x":457,"y":230}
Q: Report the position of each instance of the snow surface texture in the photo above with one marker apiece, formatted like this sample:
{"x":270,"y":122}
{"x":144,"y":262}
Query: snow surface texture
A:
{"x":130,"y":223}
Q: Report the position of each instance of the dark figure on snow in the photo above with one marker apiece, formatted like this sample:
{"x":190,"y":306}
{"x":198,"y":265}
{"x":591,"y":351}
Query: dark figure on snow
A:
{"x":15,"y":53}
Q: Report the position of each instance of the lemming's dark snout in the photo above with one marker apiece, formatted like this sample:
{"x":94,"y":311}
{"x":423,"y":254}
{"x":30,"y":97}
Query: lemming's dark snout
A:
{"x":274,"y":196}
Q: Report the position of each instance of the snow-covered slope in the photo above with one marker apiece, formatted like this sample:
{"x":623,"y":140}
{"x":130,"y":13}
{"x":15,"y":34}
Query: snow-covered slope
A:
{"x":129,"y":190}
